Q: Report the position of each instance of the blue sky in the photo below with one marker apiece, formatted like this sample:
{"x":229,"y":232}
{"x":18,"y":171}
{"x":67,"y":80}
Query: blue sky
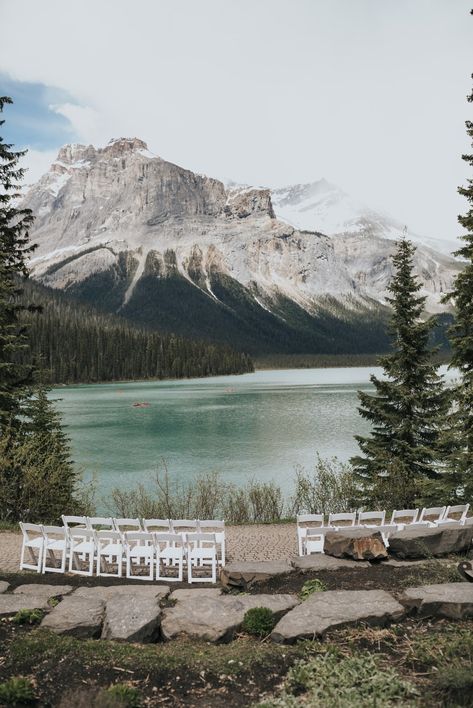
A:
{"x":32,"y":121}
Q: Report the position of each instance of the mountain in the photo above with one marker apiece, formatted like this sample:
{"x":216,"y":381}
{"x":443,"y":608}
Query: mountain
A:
{"x":323,"y":206}
{"x":139,"y":236}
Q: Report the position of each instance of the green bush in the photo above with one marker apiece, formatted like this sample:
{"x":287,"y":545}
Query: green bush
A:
{"x":28,"y":616}
{"x":311,"y":586}
{"x":124,"y":695}
{"x":17,"y":691}
{"x":330,"y":487}
{"x":258,"y":621}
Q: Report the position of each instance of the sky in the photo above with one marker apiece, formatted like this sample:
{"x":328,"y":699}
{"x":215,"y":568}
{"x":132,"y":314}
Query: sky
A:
{"x":370,"y":94}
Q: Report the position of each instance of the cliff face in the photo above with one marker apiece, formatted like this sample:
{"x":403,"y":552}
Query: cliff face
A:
{"x":132,"y":232}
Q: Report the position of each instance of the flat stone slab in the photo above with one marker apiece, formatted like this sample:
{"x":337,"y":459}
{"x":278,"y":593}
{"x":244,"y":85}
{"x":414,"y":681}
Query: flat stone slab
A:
{"x":76,"y":616}
{"x":4,"y":586}
{"x":216,"y":619}
{"x":320,"y":561}
{"x":337,"y":608}
{"x":359,"y":544}
{"x":42,"y":589}
{"x":132,"y":618}
{"x":195,"y":594}
{"x":11,"y":604}
{"x":453,"y":600}
{"x":246,"y":573}
{"x":106,"y":592}
{"x":422,"y":542}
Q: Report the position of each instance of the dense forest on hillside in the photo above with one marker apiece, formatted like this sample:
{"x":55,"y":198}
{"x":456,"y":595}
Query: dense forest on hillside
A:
{"x":77,"y":343}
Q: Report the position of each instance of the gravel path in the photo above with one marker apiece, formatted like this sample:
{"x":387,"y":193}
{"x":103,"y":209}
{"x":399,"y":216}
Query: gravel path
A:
{"x":246,"y":543}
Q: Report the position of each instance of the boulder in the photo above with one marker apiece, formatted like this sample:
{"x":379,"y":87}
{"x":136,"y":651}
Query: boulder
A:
{"x":320,"y":561}
{"x":337,"y":608}
{"x":359,"y":544}
{"x":453,"y":600}
{"x":106,"y":592}
{"x":195,"y":594}
{"x":244,"y":574}
{"x":11,"y":604}
{"x":76,"y":616}
{"x":132,"y":618}
{"x":43,"y":589}
{"x":216,"y":619}
{"x":422,"y":542}
{"x":4,"y":586}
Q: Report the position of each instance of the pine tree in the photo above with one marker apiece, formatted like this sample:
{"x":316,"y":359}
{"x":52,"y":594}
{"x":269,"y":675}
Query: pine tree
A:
{"x":461,"y":339}
{"x":14,"y":250}
{"x":400,"y":458}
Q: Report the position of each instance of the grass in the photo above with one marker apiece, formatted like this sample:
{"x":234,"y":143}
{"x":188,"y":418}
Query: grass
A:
{"x":17,"y":691}
{"x":28,"y":616}
{"x":311,"y":586}
{"x":258,"y":621}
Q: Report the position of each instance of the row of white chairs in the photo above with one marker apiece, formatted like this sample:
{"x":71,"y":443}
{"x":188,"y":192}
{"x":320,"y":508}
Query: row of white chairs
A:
{"x":311,"y":528}
{"x":145,"y":555}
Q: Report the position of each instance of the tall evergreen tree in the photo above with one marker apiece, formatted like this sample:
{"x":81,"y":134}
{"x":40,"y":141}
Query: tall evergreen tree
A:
{"x":14,"y":250}
{"x":461,"y":338}
{"x":399,"y":461}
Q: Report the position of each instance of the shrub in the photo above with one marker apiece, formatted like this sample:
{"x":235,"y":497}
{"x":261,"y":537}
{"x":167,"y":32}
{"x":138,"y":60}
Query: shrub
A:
{"x":17,"y":691}
{"x":124,"y":695}
{"x":258,"y":621}
{"x":28,"y":616}
{"x":455,"y":684}
{"x":311,"y":586}
{"x":329,"y":488}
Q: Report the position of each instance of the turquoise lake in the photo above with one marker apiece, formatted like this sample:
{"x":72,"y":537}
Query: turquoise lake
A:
{"x":257,"y":425}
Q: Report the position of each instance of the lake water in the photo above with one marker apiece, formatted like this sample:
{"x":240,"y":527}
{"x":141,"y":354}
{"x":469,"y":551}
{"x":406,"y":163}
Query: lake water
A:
{"x":257,"y":425}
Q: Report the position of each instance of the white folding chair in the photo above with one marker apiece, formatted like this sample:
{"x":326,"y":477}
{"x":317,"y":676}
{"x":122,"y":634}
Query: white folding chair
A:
{"x":313,"y":541}
{"x":201,"y":551}
{"x":55,"y":544}
{"x":342,"y":520}
{"x":403,"y":517}
{"x":110,"y":551}
{"x":304,"y":522}
{"x":184,"y":526}
{"x":386,"y":530}
{"x":100,"y":522}
{"x":33,"y":542}
{"x":83,"y":546}
{"x":170,"y":551}
{"x":371,"y":518}
{"x":454,"y":514}
{"x":431,"y":514}
{"x":140,"y":553}
{"x":218,"y":528}
{"x":75,"y":521}
{"x":125,"y":525}
{"x":157,"y":525}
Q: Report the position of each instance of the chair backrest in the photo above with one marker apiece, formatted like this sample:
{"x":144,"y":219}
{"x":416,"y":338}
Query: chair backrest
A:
{"x":197,"y":538}
{"x":100,"y":521}
{"x":29,"y":530}
{"x":108,"y":535}
{"x":310,"y":519}
{"x":139,"y":537}
{"x":125,"y":524}
{"x":203,"y":524}
{"x":342,"y":519}
{"x":404,"y":516}
{"x":371,"y":517}
{"x":154,"y":524}
{"x":84,"y":534}
{"x":432,"y":513}
{"x":71,"y":521}
{"x":456,"y":513}
{"x":175,"y":539}
{"x":314,"y":531}
{"x":183,"y":524}
{"x":58,"y":531}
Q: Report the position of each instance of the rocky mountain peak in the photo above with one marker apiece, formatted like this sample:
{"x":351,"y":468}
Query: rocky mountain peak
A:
{"x":120,"y":146}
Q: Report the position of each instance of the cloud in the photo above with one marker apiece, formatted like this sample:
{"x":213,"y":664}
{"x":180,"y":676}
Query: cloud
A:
{"x":36,"y":163}
{"x":84,"y":121}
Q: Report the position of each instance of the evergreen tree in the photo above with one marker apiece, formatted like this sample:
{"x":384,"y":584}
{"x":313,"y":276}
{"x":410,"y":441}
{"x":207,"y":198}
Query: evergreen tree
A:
{"x":461,"y":338}
{"x":14,"y":250}
{"x":400,"y":458}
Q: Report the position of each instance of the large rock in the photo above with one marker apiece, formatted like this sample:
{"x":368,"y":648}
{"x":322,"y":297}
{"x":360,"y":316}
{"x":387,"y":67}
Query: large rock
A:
{"x":422,"y":542}
{"x":337,"y":608}
{"x":216,"y":619}
{"x":43,"y":589}
{"x":132,"y":618}
{"x":4,"y":586}
{"x":11,"y":604}
{"x":320,"y":561}
{"x":453,"y":600}
{"x":359,"y":544}
{"x":244,"y":574}
{"x":76,"y":616}
{"x":195,"y":594}
{"x":106,"y":592}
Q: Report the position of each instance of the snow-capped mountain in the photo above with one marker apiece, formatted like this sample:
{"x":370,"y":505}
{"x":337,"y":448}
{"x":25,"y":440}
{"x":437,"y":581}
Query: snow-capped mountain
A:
{"x":323,"y":206}
{"x":138,"y":235}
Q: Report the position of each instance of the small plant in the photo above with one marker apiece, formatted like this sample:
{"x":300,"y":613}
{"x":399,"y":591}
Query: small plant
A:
{"x":28,"y":616}
{"x":311,"y":586}
{"x":259,"y":621}
{"x":16,"y":691}
{"x":455,"y":684}
{"x":124,"y":695}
